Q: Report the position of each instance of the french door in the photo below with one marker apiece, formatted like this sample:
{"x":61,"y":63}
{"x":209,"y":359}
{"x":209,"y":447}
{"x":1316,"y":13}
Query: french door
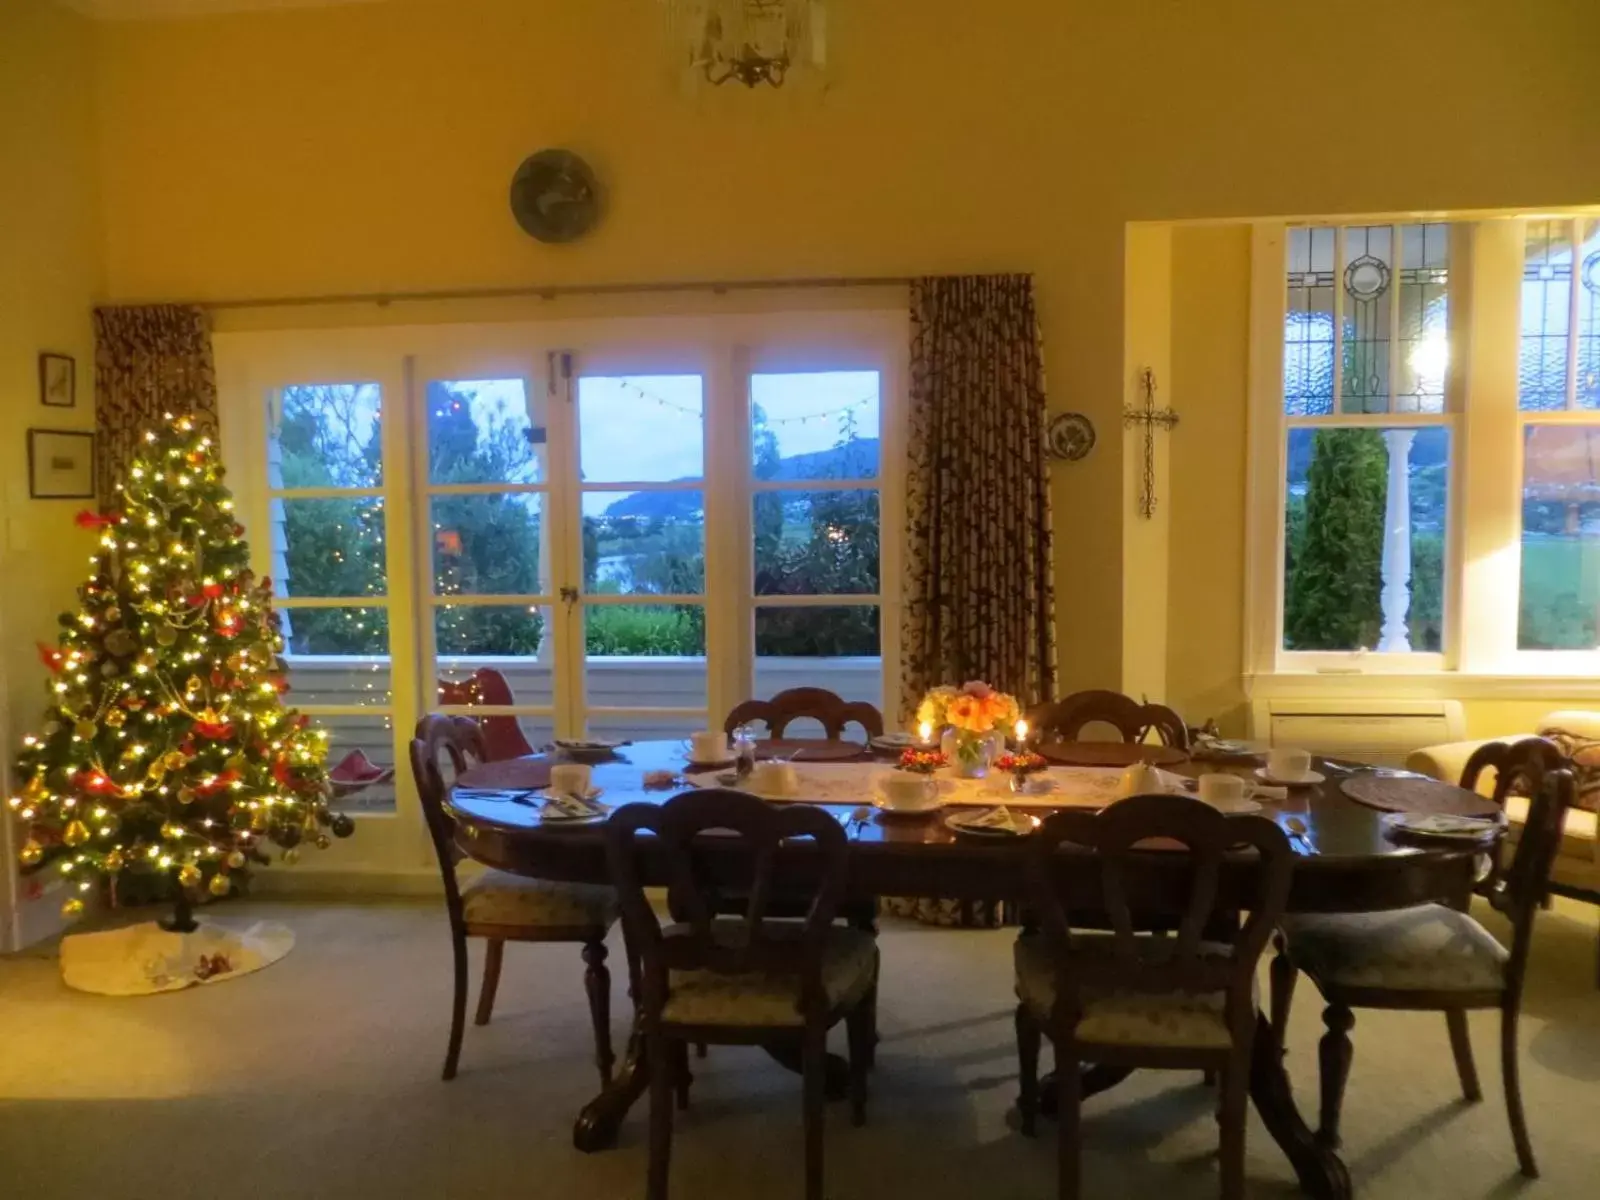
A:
{"x":608,"y":528}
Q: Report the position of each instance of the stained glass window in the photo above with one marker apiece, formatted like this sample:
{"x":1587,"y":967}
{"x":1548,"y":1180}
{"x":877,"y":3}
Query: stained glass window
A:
{"x":1546,"y":316}
{"x":1424,"y":357}
{"x":1588,"y":331}
{"x":1368,"y":272}
{"x":1308,"y":341}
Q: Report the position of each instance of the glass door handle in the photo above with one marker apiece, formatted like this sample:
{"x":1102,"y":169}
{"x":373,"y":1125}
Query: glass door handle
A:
{"x":569,"y":596}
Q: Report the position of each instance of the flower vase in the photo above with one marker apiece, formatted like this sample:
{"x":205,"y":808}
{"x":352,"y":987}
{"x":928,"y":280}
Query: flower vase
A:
{"x":969,"y":753}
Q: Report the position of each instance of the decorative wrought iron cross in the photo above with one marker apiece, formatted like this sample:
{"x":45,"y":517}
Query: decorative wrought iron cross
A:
{"x":1149,"y":416}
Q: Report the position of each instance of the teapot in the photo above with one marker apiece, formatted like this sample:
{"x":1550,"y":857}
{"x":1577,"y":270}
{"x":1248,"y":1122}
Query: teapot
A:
{"x":1140,"y":779}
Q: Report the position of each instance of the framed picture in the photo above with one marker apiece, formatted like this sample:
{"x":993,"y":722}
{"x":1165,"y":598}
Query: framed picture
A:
{"x":60,"y":464}
{"x":58,"y":380}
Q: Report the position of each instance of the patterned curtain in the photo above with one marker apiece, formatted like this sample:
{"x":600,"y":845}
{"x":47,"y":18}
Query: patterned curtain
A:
{"x":148,"y":361}
{"x":980,"y":602}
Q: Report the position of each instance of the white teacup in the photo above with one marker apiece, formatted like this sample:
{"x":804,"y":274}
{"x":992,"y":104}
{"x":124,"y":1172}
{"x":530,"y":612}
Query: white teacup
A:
{"x":709,"y":746}
{"x":1288,"y":764}
{"x":570,"y":779}
{"x":775,"y":779}
{"x":906,"y":792}
{"x":1223,"y":791}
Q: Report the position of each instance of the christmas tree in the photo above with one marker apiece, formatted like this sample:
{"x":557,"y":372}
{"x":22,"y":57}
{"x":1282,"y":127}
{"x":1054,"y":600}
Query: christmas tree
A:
{"x":168,"y":763}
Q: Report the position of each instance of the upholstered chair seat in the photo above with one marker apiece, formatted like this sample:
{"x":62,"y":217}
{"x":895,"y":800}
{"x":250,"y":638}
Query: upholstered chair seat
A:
{"x":1114,"y":1017}
{"x":760,"y":998}
{"x":1428,"y":948}
{"x":516,"y":901}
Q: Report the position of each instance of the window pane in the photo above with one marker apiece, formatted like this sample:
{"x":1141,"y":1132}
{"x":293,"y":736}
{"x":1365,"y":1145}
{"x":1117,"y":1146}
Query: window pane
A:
{"x":336,"y":655}
{"x":816,"y":543}
{"x":326,"y":548}
{"x":1368,"y":273}
{"x":641,"y":429}
{"x":464,"y":633}
{"x":485,"y":431}
{"x":652,"y":542}
{"x":1546,"y":316}
{"x":361,"y":763}
{"x":489,"y":545}
{"x":1560,"y":539}
{"x":1424,"y":318}
{"x":1308,"y":330}
{"x":815,"y":426}
{"x":811,"y":633}
{"x":1589,"y":318}
{"x":1346,"y":585}
{"x":644,"y":656}
{"x":327,"y":435}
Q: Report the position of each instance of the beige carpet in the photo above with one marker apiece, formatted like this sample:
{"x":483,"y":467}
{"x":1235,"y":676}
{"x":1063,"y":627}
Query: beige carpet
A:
{"x":319,"y":1078}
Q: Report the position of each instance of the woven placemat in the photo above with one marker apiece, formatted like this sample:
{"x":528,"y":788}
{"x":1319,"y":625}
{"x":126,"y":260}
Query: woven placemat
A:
{"x":1110,"y":754}
{"x":1403,"y":793}
{"x":508,"y":773}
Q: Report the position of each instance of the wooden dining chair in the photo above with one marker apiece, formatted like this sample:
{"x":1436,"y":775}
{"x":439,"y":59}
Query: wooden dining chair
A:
{"x":1511,"y":763}
{"x":502,"y":735}
{"x":1433,"y":958}
{"x":502,"y":907}
{"x":745,"y":979}
{"x":1145,"y":995}
{"x":1066,"y":719}
{"x":830,"y":710}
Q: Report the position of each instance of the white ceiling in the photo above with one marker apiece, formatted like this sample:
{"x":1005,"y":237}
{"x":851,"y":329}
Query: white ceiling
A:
{"x":133,"y":10}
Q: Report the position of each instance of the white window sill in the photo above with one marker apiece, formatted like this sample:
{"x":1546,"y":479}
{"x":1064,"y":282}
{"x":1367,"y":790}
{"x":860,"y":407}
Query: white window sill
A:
{"x":1428,"y":685}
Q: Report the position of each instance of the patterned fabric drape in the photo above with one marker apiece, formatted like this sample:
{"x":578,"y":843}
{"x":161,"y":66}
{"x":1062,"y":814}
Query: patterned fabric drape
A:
{"x":980,"y":601}
{"x":148,"y":361}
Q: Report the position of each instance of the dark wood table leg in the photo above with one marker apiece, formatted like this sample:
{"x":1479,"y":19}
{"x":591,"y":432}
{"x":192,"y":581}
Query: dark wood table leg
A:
{"x":1097,"y":1078}
{"x":602,"y":1117}
{"x":1321,"y":1171}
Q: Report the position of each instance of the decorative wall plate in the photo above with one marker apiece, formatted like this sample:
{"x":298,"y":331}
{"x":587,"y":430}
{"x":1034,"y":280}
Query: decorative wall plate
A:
{"x":1069,"y":436}
{"x":555,"y":197}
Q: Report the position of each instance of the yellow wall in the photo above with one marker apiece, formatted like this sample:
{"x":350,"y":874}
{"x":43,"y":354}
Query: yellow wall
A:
{"x":369,"y":146}
{"x":1210,"y":357}
{"x":49,"y":275}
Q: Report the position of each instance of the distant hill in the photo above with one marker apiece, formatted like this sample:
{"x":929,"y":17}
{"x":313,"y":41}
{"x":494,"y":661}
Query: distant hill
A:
{"x":857,"y":460}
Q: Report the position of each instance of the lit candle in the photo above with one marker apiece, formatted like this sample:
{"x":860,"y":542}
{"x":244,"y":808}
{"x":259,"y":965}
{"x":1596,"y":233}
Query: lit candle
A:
{"x":1022,"y":734}
{"x":925,"y":732}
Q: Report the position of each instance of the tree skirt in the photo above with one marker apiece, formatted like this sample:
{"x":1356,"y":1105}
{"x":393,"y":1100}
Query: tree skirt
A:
{"x":143,"y":959}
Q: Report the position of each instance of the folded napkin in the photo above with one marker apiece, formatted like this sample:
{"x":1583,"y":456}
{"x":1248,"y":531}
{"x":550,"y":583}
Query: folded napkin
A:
{"x":999,"y":819}
{"x":569,"y":808}
{"x":1443,"y":823}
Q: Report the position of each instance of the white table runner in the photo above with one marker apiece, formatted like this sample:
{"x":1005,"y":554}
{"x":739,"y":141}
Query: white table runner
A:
{"x":857,"y":783}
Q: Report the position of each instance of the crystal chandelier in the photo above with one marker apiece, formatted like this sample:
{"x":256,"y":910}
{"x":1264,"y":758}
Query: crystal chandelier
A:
{"x":749,"y":41}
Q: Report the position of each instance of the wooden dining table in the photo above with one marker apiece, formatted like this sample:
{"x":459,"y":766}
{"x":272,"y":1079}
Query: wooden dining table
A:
{"x":1347,"y":861}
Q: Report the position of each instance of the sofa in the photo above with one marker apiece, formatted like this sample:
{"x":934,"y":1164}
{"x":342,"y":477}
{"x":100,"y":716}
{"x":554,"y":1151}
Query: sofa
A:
{"x":1577,"y":867}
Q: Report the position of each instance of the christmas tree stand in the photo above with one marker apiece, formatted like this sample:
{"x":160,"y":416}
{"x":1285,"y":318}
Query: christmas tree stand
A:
{"x":150,"y":957}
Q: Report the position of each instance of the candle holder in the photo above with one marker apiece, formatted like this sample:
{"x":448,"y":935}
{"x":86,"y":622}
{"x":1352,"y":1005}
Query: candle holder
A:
{"x":923,"y":762}
{"x":1020,"y":764}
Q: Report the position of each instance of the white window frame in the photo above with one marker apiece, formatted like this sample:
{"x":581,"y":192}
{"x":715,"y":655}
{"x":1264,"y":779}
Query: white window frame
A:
{"x":1483,"y":539}
{"x":725,"y":349}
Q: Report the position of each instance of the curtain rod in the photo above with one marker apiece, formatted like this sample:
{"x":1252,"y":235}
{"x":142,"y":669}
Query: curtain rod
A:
{"x":384,"y":299}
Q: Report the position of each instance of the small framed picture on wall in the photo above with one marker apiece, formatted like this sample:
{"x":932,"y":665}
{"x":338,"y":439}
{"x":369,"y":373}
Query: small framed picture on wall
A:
{"x":60,"y":464}
{"x":58,"y":382}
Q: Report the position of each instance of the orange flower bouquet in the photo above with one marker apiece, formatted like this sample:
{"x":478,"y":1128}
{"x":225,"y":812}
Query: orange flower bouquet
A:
{"x":970,"y":714}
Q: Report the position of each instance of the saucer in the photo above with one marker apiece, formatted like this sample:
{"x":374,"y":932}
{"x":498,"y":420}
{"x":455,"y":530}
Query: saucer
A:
{"x":1234,"y":808}
{"x":1309,"y":779}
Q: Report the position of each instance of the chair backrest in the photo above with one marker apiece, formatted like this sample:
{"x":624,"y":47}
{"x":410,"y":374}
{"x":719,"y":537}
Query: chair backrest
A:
{"x":742,"y":836}
{"x":1065,"y":719}
{"x":461,"y":741}
{"x":1144,"y":884}
{"x":830,"y":710}
{"x":502,"y":736}
{"x":1512,"y":764}
{"x":1519,"y":890}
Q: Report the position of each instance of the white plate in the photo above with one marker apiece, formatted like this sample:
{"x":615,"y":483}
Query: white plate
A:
{"x":1235,"y":808}
{"x":1309,"y":779}
{"x":961,"y":822}
{"x":1443,"y":825}
{"x":895,"y":741}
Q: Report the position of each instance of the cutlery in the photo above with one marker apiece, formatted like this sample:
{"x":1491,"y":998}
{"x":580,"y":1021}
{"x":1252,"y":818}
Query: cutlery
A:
{"x":1301,"y":833}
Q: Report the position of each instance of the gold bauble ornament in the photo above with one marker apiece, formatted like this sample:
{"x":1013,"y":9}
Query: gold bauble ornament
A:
{"x":174,"y":760}
{"x":185,"y":795}
{"x":323,"y":841}
{"x":189,"y":875}
{"x":72,"y":909}
{"x":115,"y":861}
{"x":121,"y":642}
{"x":236,"y":859}
{"x":113,"y":615}
{"x":30,"y":853}
{"x":85,"y":729}
{"x":193,"y":684}
{"x":116,"y":718}
{"x":166,"y":635}
{"x":220,"y":885}
{"x":75,"y":834}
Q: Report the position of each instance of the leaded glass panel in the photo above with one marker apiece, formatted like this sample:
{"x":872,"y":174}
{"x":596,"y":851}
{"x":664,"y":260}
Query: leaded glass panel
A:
{"x":1546,"y":316}
{"x":1424,"y":359}
{"x":1308,"y":341}
{"x":1367,"y":276}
